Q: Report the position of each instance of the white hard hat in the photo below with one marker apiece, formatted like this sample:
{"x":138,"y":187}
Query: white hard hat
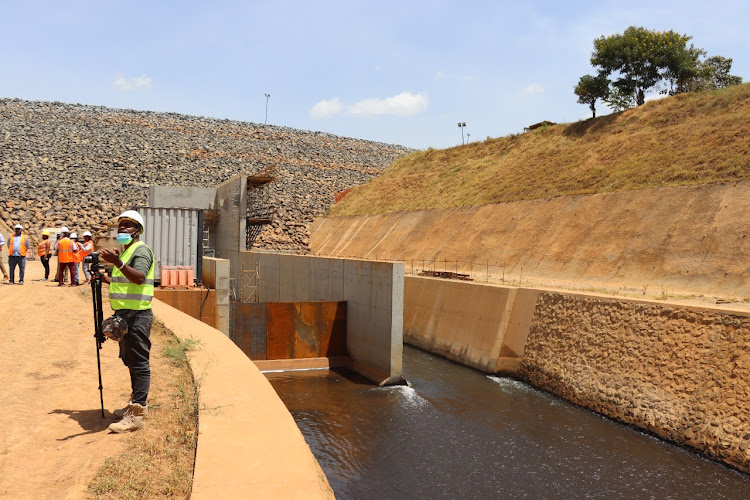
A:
{"x":73,"y":236}
{"x":87,"y":233}
{"x":64,"y":229}
{"x":132,"y":214}
{"x":18,"y":226}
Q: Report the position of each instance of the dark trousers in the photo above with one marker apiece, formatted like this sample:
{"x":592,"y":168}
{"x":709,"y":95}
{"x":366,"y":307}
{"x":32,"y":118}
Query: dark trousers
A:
{"x":61,"y":272}
{"x":135,"y":348}
{"x":13,"y":261}
{"x":45,"y":262}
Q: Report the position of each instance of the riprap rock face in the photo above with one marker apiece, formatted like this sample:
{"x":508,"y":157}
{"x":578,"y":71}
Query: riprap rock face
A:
{"x":77,"y":165}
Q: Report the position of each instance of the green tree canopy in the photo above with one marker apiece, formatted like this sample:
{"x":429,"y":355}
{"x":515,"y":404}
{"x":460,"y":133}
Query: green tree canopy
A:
{"x":640,"y":59}
{"x":590,"y":88}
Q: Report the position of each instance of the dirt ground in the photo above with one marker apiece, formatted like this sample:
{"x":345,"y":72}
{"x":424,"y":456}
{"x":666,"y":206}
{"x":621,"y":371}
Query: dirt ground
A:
{"x":53,"y":437}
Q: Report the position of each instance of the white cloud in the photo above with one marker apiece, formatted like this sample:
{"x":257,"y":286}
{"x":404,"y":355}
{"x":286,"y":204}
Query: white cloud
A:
{"x":326,"y":109}
{"x":403,"y":104}
{"x":531,"y":89}
{"x":127,"y":84}
{"x":439,"y":76}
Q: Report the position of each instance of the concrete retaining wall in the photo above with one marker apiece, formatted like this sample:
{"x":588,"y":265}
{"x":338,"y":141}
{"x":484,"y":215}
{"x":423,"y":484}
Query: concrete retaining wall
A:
{"x":289,"y":330}
{"x":215,"y":275}
{"x":679,"y":372}
{"x":633,"y":239}
{"x":248,"y":443}
{"x":198,"y":303}
{"x":373,"y":292}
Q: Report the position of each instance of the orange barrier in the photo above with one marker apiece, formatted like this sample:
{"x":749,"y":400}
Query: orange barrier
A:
{"x":177,"y":276}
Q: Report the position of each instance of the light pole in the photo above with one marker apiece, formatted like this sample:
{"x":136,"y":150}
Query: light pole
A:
{"x":468,"y":138}
{"x":267,"y":97}
{"x":461,"y":125}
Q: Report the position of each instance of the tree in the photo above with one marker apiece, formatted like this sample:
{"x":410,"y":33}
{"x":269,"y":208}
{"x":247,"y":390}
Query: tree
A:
{"x":619,"y":100}
{"x":641,"y":58}
{"x":590,"y":88}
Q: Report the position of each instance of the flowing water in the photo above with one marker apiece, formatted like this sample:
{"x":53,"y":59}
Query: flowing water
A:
{"x":456,"y":433}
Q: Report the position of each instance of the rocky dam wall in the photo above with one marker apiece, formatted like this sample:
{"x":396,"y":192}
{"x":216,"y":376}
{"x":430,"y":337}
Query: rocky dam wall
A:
{"x":80,"y":166}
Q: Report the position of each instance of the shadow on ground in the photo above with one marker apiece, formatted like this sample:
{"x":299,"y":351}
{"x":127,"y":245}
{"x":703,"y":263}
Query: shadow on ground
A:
{"x":91,"y":421}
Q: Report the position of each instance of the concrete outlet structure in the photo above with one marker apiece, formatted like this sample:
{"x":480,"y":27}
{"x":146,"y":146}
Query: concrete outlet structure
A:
{"x":373,"y":291}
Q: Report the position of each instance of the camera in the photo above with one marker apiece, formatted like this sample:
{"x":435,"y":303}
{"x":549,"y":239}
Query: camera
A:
{"x":93,"y":261}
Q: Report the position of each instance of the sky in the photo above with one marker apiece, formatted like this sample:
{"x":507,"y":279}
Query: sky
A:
{"x":401,"y":72}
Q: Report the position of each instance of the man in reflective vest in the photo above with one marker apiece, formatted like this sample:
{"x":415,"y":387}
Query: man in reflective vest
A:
{"x":65,"y":257}
{"x":44,"y":251}
{"x":131,"y":289}
{"x":18,"y":245}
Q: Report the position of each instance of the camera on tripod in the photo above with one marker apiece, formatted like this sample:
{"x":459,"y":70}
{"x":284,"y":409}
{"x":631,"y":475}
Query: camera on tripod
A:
{"x":93,"y":261}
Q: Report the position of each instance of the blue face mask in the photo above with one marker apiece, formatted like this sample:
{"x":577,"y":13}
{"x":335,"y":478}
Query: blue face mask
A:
{"x":124,"y":238}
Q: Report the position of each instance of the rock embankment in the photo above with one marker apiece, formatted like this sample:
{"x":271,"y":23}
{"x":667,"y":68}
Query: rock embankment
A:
{"x":77,"y":165}
{"x":674,"y":371}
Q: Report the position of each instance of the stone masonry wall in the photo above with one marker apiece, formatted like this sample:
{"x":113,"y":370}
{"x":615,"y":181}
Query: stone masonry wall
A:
{"x":80,"y":166}
{"x":679,"y":373}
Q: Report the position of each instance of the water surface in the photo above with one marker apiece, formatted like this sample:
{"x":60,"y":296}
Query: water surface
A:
{"x":456,"y":433}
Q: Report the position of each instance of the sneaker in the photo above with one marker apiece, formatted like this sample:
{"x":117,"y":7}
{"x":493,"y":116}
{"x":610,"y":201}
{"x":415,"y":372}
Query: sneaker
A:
{"x":5,"y":278}
{"x":43,"y":279}
{"x":131,"y":421}
{"x":20,"y":282}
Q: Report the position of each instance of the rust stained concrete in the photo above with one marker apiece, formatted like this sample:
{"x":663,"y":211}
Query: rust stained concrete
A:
{"x":248,"y":443}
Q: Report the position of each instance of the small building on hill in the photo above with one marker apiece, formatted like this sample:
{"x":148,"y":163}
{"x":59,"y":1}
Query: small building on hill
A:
{"x":545,"y":123}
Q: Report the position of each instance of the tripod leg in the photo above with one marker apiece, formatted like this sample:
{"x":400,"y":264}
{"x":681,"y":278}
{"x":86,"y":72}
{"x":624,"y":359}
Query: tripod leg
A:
{"x":96,"y":295}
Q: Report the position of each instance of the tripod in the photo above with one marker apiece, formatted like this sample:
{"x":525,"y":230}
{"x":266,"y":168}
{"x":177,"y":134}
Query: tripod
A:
{"x":96,"y":295}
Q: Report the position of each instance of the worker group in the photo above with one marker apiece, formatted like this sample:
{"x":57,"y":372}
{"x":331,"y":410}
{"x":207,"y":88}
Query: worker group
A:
{"x":69,"y":250}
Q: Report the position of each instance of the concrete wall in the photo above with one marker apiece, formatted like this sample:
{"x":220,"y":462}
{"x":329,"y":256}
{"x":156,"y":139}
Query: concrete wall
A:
{"x":231,"y":204}
{"x":215,"y":275}
{"x":483,"y":327}
{"x":198,"y":303}
{"x":373,"y":292}
{"x":630,"y":239}
{"x":181,"y":197}
{"x":679,"y":372}
{"x":289,"y":330}
{"x":248,"y":443}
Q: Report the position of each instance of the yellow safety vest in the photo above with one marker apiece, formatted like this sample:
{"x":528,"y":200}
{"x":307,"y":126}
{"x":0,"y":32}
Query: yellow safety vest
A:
{"x":126,"y":295}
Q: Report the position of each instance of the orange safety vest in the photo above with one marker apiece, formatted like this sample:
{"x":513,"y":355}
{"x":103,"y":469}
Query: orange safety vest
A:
{"x":24,"y":244}
{"x":65,"y":251}
{"x":44,"y":248}
{"x":87,"y":247}
{"x":77,"y":257}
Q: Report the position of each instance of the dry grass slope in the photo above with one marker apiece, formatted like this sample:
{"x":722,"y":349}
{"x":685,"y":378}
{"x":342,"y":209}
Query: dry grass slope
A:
{"x":688,"y":139}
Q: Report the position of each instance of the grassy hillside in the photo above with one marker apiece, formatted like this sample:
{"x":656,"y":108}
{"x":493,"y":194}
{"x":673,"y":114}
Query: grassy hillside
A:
{"x":688,"y":139}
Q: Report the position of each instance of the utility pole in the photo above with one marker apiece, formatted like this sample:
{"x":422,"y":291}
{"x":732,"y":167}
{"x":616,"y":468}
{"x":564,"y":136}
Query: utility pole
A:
{"x":267,"y":97}
{"x":461,"y":125}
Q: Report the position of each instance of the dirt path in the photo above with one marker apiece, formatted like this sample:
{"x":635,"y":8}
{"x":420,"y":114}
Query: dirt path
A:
{"x":53,"y":437}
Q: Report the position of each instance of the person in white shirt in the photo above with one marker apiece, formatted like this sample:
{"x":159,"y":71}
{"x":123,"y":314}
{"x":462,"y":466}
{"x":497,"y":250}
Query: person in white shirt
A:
{"x":2,"y":266}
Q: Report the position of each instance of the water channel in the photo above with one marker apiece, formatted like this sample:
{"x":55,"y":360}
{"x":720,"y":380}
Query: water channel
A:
{"x":457,"y":433}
